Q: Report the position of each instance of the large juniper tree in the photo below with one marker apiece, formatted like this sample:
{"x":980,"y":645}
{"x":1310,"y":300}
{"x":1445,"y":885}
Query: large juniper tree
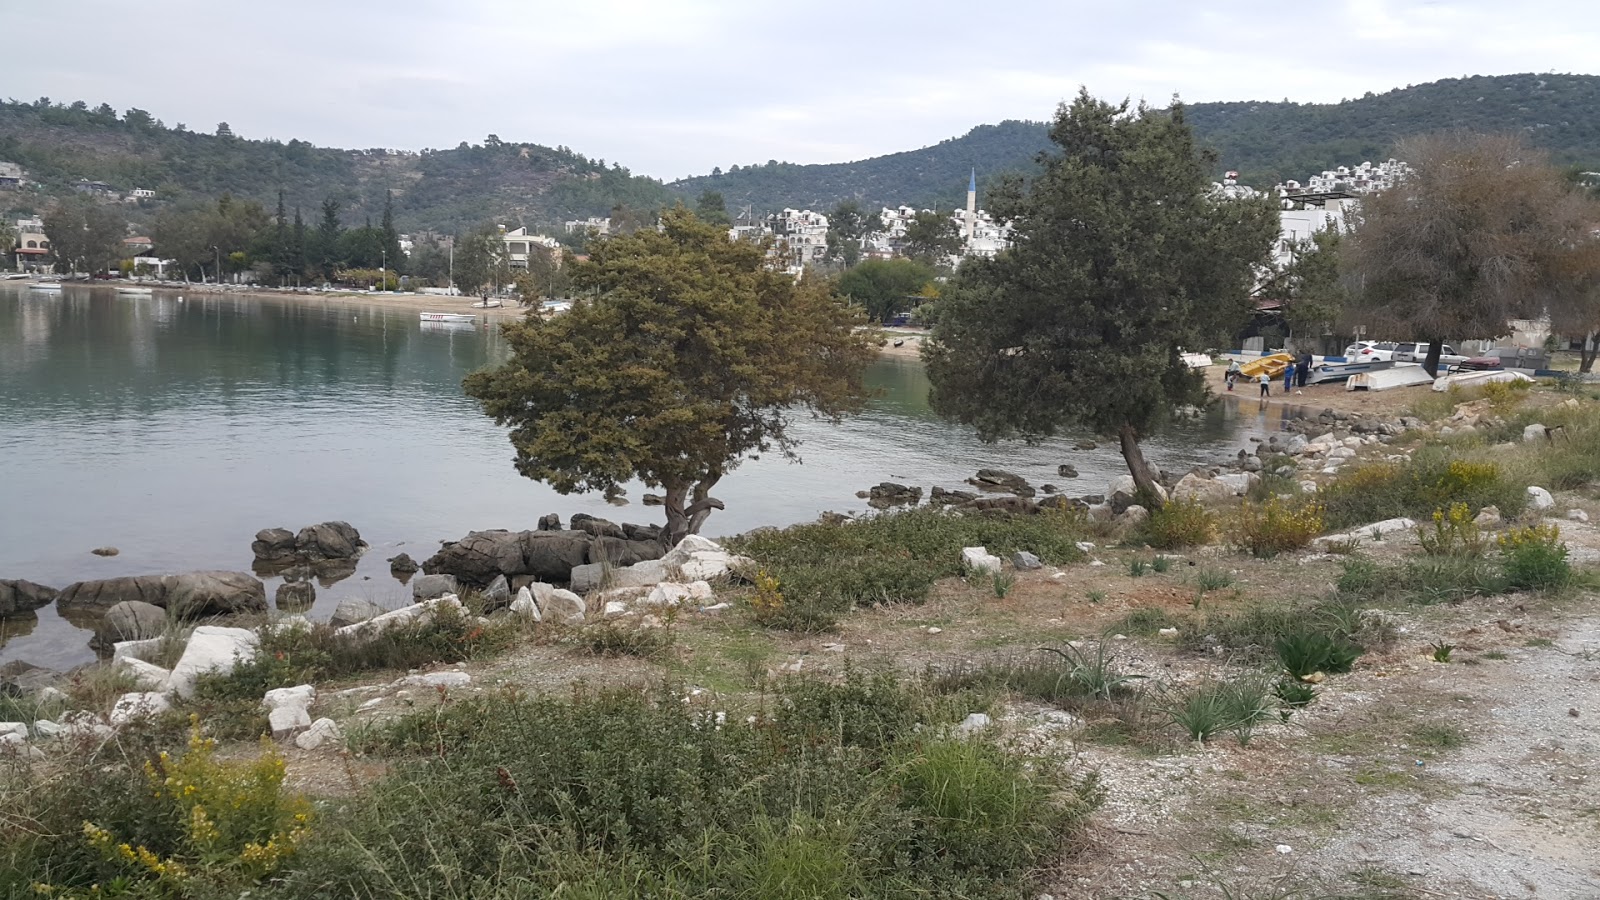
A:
{"x":1121,"y":257}
{"x":684,"y":354}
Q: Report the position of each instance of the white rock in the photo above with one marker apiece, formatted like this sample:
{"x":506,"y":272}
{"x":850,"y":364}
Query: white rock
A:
{"x":435,"y":680}
{"x":135,"y":649}
{"x":715,"y":608}
{"x":146,"y":676}
{"x":17,"y":744}
{"x":979,"y":559}
{"x":562,"y":607}
{"x":667,"y":594}
{"x":417,"y":612}
{"x":687,"y":547}
{"x":1539,"y":498}
{"x":701,"y":591}
{"x":320,"y":732}
{"x":614,"y":609}
{"x":1375,"y":531}
{"x":934,"y":629}
{"x":1085,"y":546}
{"x":524,"y":605}
{"x":135,"y":706}
{"x":1285,"y":849}
{"x":1352,"y":442}
{"x":1238,"y":483}
{"x":372,"y":704}
{"x":792,"y":668}
{"x":1168,"y":632}
{"x":1577,"y":515}
{"x":707,"y":565}
{"x":1341,"y":453}
{"x":289,"y":624}
{"x":1202,"y":490}
{"x":832,"y":648}
{"x":1534,"y":432}
{"x":84,"y":725}
{"x":14,"y":728}
{"x":1308,"y":487}
{"x":974,"y":722}
{"x":212,"y":648}
{"x":44,"y":729}
{"x":288,"y":721}
{"x":300,"y":695}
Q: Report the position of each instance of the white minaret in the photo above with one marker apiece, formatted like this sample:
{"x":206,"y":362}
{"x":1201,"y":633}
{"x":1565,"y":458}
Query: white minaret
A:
{"x":972,"y":206}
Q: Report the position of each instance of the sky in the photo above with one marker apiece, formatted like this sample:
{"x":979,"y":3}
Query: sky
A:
{"x":675,"y":87}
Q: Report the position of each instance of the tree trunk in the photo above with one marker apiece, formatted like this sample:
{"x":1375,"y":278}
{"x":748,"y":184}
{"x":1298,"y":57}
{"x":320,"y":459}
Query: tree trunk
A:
{"x":1591,"y":346}
{"x":1431,"y":364}
{"x":686,"y":514}
{"x":1143,"y":479}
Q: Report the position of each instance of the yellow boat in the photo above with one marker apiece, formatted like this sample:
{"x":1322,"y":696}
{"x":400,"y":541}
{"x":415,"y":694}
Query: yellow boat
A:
{"x":1272,"y":366}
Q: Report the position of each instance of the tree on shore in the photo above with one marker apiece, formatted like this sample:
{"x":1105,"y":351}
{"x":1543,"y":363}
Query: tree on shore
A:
{"x":1311,"y":287}
{"x":847,"y":224}
{"x":85,"y":233}
{"x":684,"y":355}
{"x":885,"y":287}
{"x":326,"y":239}
{"x":1574,"y":276}
{"x":712,"y":209}
{"x":481,"y":262}
{"x":1465,"y":243}
{"x":1121,"y":258}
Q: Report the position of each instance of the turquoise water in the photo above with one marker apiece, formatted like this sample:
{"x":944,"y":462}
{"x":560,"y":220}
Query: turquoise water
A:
{"x":176,"y":430}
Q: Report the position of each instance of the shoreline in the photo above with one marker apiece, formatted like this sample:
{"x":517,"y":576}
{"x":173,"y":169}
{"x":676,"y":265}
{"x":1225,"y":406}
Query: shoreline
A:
{"x":419,"y":303}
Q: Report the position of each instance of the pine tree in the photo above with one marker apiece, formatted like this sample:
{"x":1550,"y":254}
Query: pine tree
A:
{"x":329,"y":231}
{"x":297,"y":246}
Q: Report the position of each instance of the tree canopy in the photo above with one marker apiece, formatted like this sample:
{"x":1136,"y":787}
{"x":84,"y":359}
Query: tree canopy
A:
{"x":932,"y":238}
{"x":1464,"y":243}
{"x":684,"y":354}
{"x":1121,"y":259}
{"x":85,"y":235}
{"x":481,"y":262}
{"x":885,"y":287}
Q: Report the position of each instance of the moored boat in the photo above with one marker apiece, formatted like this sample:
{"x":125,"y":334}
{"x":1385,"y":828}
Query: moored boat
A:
{"x":45,"y":286}
{"x":136,"y":291}
{"x":448,"y":317}
{"x":1338,"y":368}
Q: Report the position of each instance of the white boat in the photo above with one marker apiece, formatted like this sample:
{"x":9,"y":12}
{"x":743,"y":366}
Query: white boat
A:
{"x":448,"y":317}
{"x":1473,"y":379}
{"x":136,"y":291}
{"x":45,"y":286}
{"x":1338,"y":368}
{"x":437,"y":327}
{"x":1401,"y":375}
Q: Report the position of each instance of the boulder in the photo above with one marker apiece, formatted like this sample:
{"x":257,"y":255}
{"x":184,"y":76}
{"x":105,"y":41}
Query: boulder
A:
{"x":320,"y":732}
{"x":354,"y":610}
{"x":1251,"y":464}
{"x":130,"y":620}
{"x":329,"y":540}
{"x":1577,"y":515}
{"x":20,"y":678}
{"x":1010,"y":505}
{"x":1023,"y":560}
{"x":1067,"y":470}
{"x":427,"y":587}
{"x":623,"y":551}
{"x":1539,"y":498}
{"x":1133,"y":515}
{"x":211,"y":648}
{"x":1201,"y":490}
{"x":18,"y":596}
{"x":481,"y":555}
{"x":133,"y":707}
{"x":941,"y":497}
{"x":887,"y":493}
{"x":1085,"y":445}
{"x":497,"y":595}
{"x":274,"y":545}
{"x":614,"y":609}
{"x":288,"y":721}
{"x":1123,"y":492}
{"x":1239,"y":483}
{"x":562,"y":608}
{"x":190,"y":595}
{"x":525,"y":606}
{"x":146,"y":676}
{"x":299,"y":695}
{"x":417,"y":612}
{"x":550,"y":522}
{"x":654,"y":500}
{"x":402,"y":564}
{"x":1375,"y":531}
{"x":1534,"y":432}
{"x":596,"y":526}
{"x":594,"y":576}
{"x":1488,"y":517}
{"x":295,"y":595}
{"x":979,"y":560}
{"x":436,"y":680}
{"x":1001,"y":480}
{"x":105,"y":551}
{"x":144,"y":650}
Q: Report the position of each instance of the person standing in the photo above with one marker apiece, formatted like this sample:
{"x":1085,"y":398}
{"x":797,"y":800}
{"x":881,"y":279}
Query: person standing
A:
{"x":1288,"y":377}
{"x":1266,"y":385}
{"x":1303,"y":371}
{"x":1233,"y":373}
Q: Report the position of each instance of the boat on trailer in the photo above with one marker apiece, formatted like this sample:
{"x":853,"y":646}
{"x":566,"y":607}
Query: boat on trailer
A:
{"x":448,"y":317}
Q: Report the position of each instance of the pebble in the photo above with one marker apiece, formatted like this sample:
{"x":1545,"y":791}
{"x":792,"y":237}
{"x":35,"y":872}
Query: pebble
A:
{"x":1285,"y":848}
{"x":934,"y":629}
{"x":1169,"y":632}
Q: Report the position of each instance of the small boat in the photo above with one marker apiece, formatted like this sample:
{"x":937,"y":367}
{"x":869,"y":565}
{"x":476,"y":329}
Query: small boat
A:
{"x":1382,"y":379}
{"x":45,"y":286}
{"x":448,"y":317}
{"x":1473,"y":379}
{"x":136,"y":291}
{"x":1338,"y":368}
{"x":1271,"y":366}
{"x":436,"y":327}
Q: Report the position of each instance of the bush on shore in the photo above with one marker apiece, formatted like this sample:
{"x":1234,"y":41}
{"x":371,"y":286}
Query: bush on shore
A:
{"x":1433,"y":478}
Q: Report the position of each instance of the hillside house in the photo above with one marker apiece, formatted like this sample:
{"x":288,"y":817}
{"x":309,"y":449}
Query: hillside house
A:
{"x":520,"y":245}
{"x":33,"y":248}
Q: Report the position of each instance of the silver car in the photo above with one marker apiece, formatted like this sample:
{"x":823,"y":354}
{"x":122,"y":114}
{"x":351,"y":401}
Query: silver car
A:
{"x":1411,"y":351}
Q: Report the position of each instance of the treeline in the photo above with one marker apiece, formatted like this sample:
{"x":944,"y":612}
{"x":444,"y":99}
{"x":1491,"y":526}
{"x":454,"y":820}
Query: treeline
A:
{"x":444,"y":190}
{"x":1265,"y":142}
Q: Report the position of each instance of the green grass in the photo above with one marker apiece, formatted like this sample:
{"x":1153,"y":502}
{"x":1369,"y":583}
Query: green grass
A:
{"x":1438,"y":737}
{"x":1434,"y":477}
{"x":1144,"y":621}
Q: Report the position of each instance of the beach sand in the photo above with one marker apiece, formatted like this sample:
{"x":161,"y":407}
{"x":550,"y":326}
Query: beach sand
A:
{"x":1317,"y":397}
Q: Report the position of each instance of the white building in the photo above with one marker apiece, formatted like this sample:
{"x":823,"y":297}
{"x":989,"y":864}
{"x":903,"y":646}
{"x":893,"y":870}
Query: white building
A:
{"x":1295,"y":225}
{"x":520,"y":245}
{"x":597,"y":224}
{"x":33,"y":247}
{"x":802,"y":237}
{"x":1362,"y":179}
{"x":143,"y":194}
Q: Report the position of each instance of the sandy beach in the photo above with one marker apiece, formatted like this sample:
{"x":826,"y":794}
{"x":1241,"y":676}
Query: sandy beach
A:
{"x":1331,"y":395}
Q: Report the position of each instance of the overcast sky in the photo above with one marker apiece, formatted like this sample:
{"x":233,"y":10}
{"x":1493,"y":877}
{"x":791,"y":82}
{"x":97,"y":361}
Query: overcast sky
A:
{"x":675,"y":87}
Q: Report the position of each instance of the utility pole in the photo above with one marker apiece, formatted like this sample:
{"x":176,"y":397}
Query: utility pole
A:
{"x":219,"y":264}
{"x":383,"y":268}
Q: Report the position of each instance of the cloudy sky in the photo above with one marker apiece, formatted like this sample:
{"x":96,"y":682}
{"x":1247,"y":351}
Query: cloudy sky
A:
{"x":674,"y":87}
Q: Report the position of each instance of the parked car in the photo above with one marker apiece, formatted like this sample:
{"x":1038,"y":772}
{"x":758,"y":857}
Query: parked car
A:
{"x":1411,"y":351}
{"x":1367,"y":351}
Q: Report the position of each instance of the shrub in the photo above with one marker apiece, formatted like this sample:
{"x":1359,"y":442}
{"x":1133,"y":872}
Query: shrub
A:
{"x":1213,"y":707}
{"x":616,"y":639}
{"x":1160,"y":565}
{"x":1433,"y":478}
{"x":1213,"y":579}
{"x":1309,"y":651}
{"x":1294,"y":693}
{"x":1002,"y":583}
{"x":1454,"y":533}
{"x":1146,"y":620}
{"x":1276,"y":526}
{"x":1137,"y":568}
{"x":1535,"y":557}
{"x":1178,"y":524}
{"x":1061,"y":676}
{"x":767,"y":604}
{"x":203,"y":823}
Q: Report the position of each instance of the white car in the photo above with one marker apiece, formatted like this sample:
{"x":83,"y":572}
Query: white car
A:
{"x":1370,"y":351}
{"x":1411,"y":351}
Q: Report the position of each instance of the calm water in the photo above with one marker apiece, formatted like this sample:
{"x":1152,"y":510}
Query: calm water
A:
{"x":176,"y":430}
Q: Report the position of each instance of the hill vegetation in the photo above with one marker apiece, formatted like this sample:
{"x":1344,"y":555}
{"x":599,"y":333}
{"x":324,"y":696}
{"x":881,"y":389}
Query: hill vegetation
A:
{"x":443,"y":190}
{"x":1266,"y":142}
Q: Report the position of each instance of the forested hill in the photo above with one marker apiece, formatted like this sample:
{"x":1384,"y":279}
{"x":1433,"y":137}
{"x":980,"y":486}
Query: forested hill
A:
{"x":436,"y":189}
{"x":1265,"y":142}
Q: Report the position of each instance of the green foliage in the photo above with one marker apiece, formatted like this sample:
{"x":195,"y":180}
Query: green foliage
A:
{"x":1294,"y":693}
{"x":1535,"y":558}
{"x":1002,"y":583}
{"x":1137,"y":567}
{"x":1161,"y":564}
{"x":687,"y":355}
{"x":1442,"y":651}
{"x":1177,"y":524}
{"x":931,"y":237}
{"x":1069,"y":677}
{"x":842,"y":789}
{"x":885,"y":287}
{"x":85,"y":236}
{"x":1454,"y":533}
{"x":1116,"y":266}
{"x":482,"y":265}
{"x":1278,"y":525}
{"x":1308,"y":651}
{"x":712,"y":209}
{"x":1213,"y":707}
{"x":1213,"y":579}
{"x":1434,"y":579}
{"x":619,"y":639}
{"x":1433,"y":478}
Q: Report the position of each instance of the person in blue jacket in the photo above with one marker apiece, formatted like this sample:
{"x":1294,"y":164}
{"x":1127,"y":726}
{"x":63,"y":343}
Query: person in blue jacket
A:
{"x":1288,"y":377}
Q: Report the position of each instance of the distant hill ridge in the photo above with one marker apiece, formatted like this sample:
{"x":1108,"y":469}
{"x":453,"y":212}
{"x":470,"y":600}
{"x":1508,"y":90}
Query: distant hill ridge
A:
{"x":1267,"y":142}
{"x":536,"y":185}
